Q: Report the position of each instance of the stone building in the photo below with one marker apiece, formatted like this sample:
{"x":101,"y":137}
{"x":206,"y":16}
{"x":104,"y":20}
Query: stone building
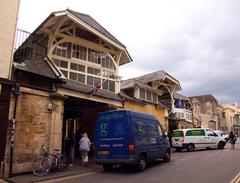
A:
{"x":205,"y":111}
{"x":232,"y":116}
{"x":154,"y":93}
{"x":222,"y":119}
{"x":8,"y":22}
{"x":67,"y":71}
{"x":63,"y":75}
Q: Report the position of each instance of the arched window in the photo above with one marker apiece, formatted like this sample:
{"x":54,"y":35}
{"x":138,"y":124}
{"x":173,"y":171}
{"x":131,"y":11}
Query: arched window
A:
{"x":85,"y":65}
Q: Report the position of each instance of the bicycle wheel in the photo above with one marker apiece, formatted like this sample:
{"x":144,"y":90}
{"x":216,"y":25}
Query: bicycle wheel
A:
{"x":62,"y":162}
{"x":41,"y":166}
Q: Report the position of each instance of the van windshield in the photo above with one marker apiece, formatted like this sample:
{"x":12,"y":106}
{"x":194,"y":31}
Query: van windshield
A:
{"x":177,"y":133}
{"x":111,"y":125}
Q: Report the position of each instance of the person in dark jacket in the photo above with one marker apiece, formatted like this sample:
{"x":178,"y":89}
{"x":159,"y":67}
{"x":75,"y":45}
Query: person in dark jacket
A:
{"x":70,"y":145}
{"x":232,"y":140}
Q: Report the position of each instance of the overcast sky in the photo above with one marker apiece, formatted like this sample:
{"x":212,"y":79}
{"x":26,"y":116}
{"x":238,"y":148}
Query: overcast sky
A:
{"x":195,"y":41}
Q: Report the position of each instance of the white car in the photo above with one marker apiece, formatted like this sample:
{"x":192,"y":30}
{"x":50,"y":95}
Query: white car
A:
{"x":222,"y":134}
{"x":194,"y":138}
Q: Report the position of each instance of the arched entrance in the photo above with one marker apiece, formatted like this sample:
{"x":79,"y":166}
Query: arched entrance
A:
{"x":212,"y":125}
{"x":79,"y":117}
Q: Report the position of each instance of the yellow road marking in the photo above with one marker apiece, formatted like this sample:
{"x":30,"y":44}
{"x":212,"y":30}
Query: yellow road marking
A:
{"x":236,"y":179}
{"x":69,"y":177}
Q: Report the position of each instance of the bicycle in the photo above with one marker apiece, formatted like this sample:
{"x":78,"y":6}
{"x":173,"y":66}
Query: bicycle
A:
{"x":43,"y":164}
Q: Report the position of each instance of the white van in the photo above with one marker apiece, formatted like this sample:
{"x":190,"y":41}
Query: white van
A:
{"x":194,"y":138}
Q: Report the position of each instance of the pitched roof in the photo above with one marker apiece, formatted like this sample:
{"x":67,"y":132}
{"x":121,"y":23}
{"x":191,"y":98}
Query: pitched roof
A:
{"x":94,"y":24}
{"x":143,"y":80}
{"x":158,"y":75}
{"x":127,"y":97}
{"x":204,"y":98}
{"x":180,"y":97}
{"x":39,"y":67}
{"x":131,"y":83}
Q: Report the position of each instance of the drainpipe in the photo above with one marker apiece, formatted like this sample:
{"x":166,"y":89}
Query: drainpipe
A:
{"x":16,"y":93}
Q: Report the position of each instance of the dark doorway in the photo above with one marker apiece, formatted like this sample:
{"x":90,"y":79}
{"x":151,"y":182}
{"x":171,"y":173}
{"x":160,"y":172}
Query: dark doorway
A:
{"x":79,"y":117}
{"x":172,"y":125}
{"x":5,"y":92}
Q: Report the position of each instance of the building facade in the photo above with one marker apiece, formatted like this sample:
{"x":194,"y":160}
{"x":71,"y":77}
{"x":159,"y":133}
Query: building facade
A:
{"x":205,"y":111}
{"x":8,"y":22}
{"x":232,"y":116}
{"x":67,"y":71}
{"x":156,"y":92}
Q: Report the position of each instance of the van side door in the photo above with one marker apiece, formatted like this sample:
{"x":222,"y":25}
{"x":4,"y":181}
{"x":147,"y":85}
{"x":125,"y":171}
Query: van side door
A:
{"x":163,"y":141}
{"x":212,"y":138}
{"x":155,"y":141}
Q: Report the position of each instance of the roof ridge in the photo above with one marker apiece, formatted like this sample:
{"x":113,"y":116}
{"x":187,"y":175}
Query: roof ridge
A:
{"x":75,"y":12}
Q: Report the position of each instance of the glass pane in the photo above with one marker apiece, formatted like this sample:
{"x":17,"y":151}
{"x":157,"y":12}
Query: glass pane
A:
{"x":69,"y":49}
{"x":149,"y":96}
{"x":56,"y":62}
{"x":74,"y":51}
{"x":73,"y":66}
{"x":97,"y":72}
{"x":65,"y":73}
{"x":90,"y":70}
{"x":73,"y":76}
{"x":63,"y":64}
{"x":94,"y":56}
{"x":142,"y":93}
{"x":97,"y":81}
{"x":154,"y":98}
{"x":105,"y":85}
{"x":81,"y":68}
{"x":90,"y":80}
{"x":112,"y":86}
{"x":81,"y":78}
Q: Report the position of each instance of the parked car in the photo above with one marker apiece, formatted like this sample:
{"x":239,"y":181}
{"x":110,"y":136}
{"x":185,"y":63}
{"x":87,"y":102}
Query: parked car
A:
{"x":129,"y":138}
{"x":222,"y":134}
{"x":195,"y":138}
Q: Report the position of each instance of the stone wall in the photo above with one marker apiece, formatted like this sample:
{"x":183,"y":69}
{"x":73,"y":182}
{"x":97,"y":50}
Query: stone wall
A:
{"x":8,"y":21}
{"x":38,"y":121}
{"x":158,"y":112}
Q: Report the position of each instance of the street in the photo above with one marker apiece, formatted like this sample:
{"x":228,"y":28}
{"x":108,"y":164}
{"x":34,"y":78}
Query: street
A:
{"x":200,"y":166}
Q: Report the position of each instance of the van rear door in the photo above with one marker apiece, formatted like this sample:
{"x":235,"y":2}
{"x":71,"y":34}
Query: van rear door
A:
{"x":111,"y":136}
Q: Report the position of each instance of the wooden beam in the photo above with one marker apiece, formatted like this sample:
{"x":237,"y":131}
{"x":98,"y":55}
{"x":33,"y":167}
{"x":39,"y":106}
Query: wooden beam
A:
{"x":86,"y":43}
{"x":91,"y":29}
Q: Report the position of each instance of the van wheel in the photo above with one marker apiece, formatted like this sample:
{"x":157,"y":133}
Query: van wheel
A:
{"x":221,"y":145}
{"x":167,"y":156}
{"x":142,"y":164}
{"x":190,"y":147}
{"x":107,"y":166}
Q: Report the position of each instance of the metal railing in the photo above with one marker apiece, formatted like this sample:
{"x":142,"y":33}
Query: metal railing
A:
{"x":29,"y":45}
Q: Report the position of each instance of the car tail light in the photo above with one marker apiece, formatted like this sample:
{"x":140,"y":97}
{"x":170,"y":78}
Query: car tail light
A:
{"x":131,"y":148}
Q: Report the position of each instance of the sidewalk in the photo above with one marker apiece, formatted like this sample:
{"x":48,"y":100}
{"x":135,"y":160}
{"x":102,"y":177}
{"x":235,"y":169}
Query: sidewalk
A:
{"x":77,"y":169}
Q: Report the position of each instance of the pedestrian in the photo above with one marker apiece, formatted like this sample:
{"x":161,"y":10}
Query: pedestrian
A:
{"x":169,"y":134}
{"x":70,"y":147}
{"x":84,"y":147}
{"x":232,"y":139}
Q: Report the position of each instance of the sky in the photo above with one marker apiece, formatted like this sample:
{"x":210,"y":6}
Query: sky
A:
{"x":195,"y":41}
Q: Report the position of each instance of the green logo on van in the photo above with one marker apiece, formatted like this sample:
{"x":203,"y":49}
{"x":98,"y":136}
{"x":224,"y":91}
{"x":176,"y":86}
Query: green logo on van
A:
{"x":200,"y":132}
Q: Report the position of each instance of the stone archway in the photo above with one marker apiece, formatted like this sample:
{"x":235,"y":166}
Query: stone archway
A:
{"x":212,"y":125}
